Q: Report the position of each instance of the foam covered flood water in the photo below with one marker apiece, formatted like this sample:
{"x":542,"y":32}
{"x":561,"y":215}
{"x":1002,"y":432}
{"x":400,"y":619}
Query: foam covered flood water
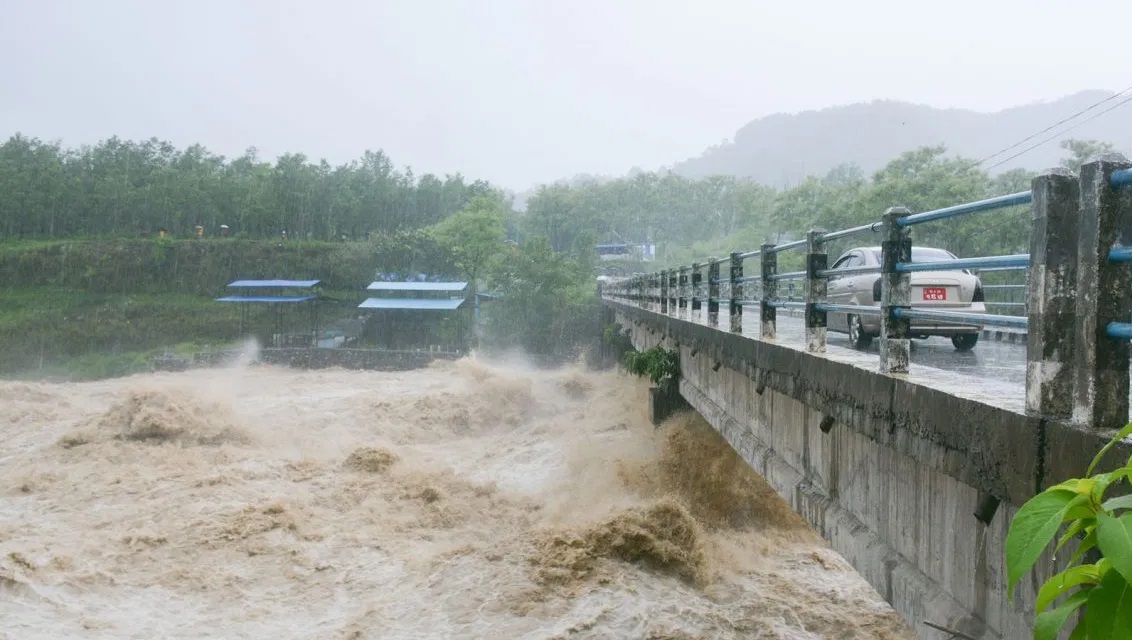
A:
{"x":465,"y":500}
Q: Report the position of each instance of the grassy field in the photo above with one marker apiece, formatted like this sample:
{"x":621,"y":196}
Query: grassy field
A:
{"x":92,"y":308}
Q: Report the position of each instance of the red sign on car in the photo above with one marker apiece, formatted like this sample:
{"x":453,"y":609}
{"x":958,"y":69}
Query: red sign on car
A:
{"x":935,"y":293}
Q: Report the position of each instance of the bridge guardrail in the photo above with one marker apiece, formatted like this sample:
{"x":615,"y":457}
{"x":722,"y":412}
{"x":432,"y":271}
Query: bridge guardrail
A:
{"x":1080,"y":246}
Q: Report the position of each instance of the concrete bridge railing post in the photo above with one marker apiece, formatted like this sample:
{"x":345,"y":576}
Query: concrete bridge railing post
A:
{"x":895,"y":293}
{"x":736,"y":310}
{"x":768,"y":316}
{"x":664,"y":292}
{"x":1104,"y":295}
{"x":815,"y":292}
{"x":713,"y":292}
{"x":680,"y":296}
{"x":673,"y":290}
{"x":697,"y":308}
{"x":1052,"y":294}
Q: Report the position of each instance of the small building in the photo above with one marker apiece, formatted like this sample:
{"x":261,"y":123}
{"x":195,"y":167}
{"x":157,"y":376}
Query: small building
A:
{"x":417,"y":316}
{"x":290,"y":313}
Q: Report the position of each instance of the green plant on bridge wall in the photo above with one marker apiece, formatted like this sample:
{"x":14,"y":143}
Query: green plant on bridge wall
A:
{"x":1104,"y":588}
{"x":616,"y":339}
{"x":660,"y":365}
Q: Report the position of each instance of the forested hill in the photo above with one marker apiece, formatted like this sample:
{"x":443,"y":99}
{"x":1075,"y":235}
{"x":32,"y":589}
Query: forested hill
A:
{"x":784,"y":149}
{"x":125,"y":188}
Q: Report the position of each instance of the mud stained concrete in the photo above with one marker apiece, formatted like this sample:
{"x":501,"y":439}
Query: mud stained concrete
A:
{"x":464,"y":500}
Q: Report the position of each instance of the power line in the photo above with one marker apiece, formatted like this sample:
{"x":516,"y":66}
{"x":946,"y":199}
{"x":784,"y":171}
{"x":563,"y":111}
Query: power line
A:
{"x":1078,"y":124}
{"x":1058,"y":124}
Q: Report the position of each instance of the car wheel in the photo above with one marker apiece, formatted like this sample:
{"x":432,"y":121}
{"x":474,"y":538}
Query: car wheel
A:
{"x":857,"y":336}
{"x":965,"y":342}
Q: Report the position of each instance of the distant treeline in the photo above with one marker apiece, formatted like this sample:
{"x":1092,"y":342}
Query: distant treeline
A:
{"x":694,"y":219}
{"x":124,"y":188}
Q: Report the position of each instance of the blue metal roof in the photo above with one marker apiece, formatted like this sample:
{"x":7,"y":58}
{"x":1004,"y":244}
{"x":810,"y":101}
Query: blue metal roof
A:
{"x":417,"y":286}
{"x":412,"y":304}
{"x":271,"y":299}
{"x":297,"y":284}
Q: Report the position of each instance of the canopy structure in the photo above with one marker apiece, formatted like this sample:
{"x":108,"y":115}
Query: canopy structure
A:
{"x":445,"y":287}
{"x":257,"y":292}
{"x":416,"y":313}
{"x":412,"y":304}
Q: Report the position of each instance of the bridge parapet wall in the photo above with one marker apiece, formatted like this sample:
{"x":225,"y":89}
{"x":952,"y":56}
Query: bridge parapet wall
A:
{"x":913,"y":482}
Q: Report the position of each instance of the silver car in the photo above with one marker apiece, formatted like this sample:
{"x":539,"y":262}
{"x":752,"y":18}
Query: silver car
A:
{"x":947,"y":290}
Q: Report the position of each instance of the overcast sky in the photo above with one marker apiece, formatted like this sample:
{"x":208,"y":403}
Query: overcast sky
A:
{"x":523,"y":91}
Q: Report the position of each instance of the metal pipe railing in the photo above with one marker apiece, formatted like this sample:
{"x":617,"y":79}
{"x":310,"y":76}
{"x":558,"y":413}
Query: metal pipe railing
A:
{"x":1066,"y":212}
{"x":797,"y":244}
{"x":848,"y":271}
{"x":962,"y":318}
{"x":990,"y":204}
{"x":1018,"y":261}
{"x":852,"y":231}
{"x":789,"y":275}
{"x":1120,"y":254}
{"x":849,"y":308}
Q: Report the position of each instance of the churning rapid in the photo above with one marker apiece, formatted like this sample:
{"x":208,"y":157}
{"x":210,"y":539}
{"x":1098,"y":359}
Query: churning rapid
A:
{"x":465,"y":500}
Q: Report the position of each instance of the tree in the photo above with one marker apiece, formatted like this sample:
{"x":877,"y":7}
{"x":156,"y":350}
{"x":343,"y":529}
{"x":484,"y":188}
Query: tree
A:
{"x":1082,"y":151}
{"x":474,"y":236}
{"x":547,"y":299}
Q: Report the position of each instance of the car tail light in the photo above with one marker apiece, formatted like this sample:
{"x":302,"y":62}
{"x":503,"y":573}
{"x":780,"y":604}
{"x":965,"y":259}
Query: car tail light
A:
{"x":978,"y":297}
{"x":876,"y":290}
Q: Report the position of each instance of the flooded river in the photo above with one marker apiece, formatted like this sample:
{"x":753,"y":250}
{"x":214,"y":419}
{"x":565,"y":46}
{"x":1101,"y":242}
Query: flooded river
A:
{"x":465,"y":500}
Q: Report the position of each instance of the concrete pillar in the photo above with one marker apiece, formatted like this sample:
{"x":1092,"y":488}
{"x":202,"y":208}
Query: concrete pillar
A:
{"x":1052,"y":294}
{"x":815,"y":290}
{"x":896,"y":291}
{"x":680,"y":279}
{"x":736,"y":292}
{"x":673,"y":292}
{"x":663,"y":402}
{"x":1104,"y":295}
{"x":697,"y":294}
{"x":713,"y":292}
{"x":768,"y":319}
{"x":663,"y":293}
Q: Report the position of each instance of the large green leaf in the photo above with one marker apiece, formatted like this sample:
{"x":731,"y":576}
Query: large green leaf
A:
{"x":1086,"y":545}
{"x":1079,"y":508}
{"x":1114,"y":537}
{"x":1074,"y":529}
{"x":1032,"y":528}
{"x":1109,"y":614}
{"x":1120,"y":435}
{"x":1058,"y":585}
{"x":1048,"y":624}
{"x":1120,"y":502}
{"x":1106,"y":480}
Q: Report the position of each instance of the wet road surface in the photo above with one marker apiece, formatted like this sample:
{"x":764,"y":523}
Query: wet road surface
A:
{"x":997,"y":360}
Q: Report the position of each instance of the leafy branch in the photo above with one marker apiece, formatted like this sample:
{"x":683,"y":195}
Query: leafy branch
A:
{"x":1104,"y":587}
{"x":661,"y":366}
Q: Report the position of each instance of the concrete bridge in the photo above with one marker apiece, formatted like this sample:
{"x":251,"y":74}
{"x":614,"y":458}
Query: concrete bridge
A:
{"x":911,"y":472}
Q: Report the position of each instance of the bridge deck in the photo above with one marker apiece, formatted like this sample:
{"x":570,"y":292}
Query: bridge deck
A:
{"x":994,"y":372}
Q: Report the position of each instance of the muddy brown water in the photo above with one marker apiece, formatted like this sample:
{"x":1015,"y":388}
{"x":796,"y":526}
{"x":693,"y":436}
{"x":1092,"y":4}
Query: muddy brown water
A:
{"x":466,"y":500}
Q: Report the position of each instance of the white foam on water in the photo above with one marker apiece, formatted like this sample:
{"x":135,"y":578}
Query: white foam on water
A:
{"x":465,"y":500}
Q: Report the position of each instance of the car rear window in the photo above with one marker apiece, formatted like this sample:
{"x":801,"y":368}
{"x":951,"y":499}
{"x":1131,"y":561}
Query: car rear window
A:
{"x":924,"y":254}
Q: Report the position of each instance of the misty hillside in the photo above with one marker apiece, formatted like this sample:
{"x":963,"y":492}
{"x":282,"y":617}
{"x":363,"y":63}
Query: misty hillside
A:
{"x":784,"y":148}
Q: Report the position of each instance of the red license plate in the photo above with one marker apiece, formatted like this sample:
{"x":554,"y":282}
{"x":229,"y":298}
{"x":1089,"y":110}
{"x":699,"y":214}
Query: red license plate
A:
{"x":935,"y":293}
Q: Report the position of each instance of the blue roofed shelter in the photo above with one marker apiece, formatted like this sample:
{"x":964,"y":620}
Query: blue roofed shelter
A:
{"x":288,"y":299}
{"x":416,"y":315}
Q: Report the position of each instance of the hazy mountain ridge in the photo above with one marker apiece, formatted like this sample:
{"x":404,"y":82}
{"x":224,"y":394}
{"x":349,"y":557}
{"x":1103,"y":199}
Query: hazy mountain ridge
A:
{"x":782,"y":149}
